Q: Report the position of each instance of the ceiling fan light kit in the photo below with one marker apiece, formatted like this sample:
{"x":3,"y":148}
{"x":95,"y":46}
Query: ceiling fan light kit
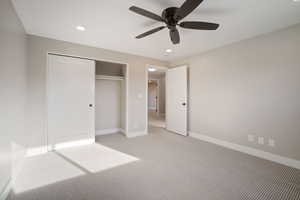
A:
{"x":171,"y":17}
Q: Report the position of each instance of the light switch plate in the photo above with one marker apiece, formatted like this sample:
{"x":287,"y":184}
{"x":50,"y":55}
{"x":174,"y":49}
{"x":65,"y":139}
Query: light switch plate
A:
{"x":271,"y":142}
{"x":251,"y":138}
{"x":261,"y":140}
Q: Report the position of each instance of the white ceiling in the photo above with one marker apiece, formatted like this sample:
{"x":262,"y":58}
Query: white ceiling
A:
{"x":158,"y":73}
{"x":110,"y":25}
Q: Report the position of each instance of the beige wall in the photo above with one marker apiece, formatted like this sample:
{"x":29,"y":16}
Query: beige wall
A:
{"x":109,"y":69}
{"x":12,"y":88}
{"x":250,"y":87}
{"x":38,"y":49}
{"x":108,"y":104}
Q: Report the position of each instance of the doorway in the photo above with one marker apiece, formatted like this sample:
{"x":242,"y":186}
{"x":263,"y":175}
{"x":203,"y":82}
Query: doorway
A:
{"x":110,"y":98}
{"x":167,"y":98}
{"x":153,"y":95}
{"x":156,"y":92}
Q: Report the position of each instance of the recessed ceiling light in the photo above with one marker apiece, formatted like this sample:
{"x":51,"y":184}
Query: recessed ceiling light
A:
{"x":296,"y":0}
{"x":151,"y":69}
{"x":169,"y":50}
{"x":80,"y":28}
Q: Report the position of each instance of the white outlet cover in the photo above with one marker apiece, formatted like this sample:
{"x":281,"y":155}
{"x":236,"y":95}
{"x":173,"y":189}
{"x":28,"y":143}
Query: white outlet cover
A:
{"x":261,"y":140}
{"x":271,"y":142}
{"x":250,"y":138}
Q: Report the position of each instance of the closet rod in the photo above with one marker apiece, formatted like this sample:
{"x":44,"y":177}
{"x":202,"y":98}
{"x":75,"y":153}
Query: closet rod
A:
{"x":114,"y":78}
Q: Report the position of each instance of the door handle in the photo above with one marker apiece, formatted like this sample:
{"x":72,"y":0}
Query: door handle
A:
{"x":184,"y":104}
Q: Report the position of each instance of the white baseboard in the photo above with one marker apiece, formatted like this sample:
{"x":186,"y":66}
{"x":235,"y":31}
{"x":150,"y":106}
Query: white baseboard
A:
{"x":35,"y":151}
{"x":249,"y":150}
{"x":6,"y":191}
{"x":108,"y":131}
{"x":76,"y":143}
{"x":123,"y":131}
{"x":18,"y":160}
{"x":136,"y":134}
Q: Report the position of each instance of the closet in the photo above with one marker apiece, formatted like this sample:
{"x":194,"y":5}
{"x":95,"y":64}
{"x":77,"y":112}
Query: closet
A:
{"x":110,"y":98}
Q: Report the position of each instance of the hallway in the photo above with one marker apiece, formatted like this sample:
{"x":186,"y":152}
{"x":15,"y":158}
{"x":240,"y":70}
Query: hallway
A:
{"x":156,"y":119}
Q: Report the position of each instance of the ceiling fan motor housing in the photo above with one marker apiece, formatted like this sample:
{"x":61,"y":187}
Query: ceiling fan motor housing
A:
{"x":169,"y":16}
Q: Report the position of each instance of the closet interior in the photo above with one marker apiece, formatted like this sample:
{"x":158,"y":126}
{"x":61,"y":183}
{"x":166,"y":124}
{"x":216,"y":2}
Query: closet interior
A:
{"x":110,"y":98}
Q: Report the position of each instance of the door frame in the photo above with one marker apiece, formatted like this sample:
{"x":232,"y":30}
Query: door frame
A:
{"x":146,"y":88}
{"x":47,"y":95}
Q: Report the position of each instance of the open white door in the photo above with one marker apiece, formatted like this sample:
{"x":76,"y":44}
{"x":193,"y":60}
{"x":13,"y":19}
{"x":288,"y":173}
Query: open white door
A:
{"x":71,"y":88}
{"x":176,"y":100}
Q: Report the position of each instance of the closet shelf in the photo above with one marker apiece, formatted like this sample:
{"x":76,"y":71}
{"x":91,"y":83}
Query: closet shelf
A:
{"x":115,"y":78}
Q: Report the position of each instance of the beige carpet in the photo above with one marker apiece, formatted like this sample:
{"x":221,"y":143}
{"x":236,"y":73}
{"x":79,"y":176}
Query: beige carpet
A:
{"x":159,"y":166}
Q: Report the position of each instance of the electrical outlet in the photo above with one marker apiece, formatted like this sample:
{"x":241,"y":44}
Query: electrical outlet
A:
{"x":251,"y":138}
{"x":271,"y":142}
{"x":261,"y":140}
{"x":140,"y":96}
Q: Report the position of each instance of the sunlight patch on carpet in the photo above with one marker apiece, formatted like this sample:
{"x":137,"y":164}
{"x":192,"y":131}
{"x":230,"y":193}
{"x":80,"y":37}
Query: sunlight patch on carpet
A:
{"x":96,"y":157}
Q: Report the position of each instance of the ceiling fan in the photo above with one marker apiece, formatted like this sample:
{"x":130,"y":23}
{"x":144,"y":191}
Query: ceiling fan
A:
{"x":171,"y":17}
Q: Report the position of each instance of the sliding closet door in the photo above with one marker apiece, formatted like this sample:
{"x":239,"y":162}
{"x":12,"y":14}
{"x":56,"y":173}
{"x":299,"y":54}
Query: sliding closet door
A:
{"x":70,"y":92}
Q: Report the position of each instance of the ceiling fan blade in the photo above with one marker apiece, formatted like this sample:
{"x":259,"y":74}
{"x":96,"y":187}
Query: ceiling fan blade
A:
{"x":150,"y":32}
{"x":146,"y":13}
{"x":199,"y":25}
{"x":186,"y":8}
{"x":174,"y":35}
